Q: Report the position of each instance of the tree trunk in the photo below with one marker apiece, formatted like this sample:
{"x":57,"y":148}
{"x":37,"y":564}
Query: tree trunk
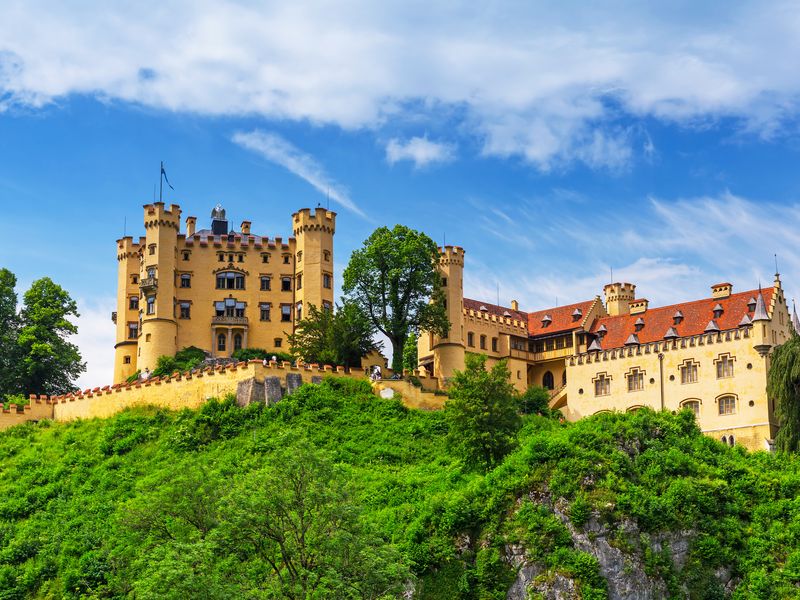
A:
{"x":397,"y":354}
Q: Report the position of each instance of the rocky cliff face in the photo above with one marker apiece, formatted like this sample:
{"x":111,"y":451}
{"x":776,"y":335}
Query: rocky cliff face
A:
{"x":621,"y":553}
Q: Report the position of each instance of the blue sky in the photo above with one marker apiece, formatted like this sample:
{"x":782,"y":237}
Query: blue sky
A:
{"x":553,"y":144}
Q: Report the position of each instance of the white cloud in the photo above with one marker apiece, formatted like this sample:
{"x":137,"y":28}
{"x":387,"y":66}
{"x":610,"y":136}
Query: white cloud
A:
{"x":419,"y":150}
{"x":278,"y":150}
{"x":548,"y":85}
{"x":95,"y":339}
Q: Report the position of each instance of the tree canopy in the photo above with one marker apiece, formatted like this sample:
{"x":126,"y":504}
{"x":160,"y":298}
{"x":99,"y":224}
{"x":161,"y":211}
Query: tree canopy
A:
{"x":36,"y":356}
{"x":482,"y":412}
{"x":394,"y":279}
{"x":783,"y":387}
{"x":342,"y":337}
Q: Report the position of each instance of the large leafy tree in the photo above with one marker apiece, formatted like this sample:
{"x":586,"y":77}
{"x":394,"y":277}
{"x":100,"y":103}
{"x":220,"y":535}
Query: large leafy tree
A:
{"x":9,"y":324}
{"x":410,"y":353}
{"x":336,"y":338}
{"x":783,"y":387}
{"x":296,"y":520}
{"x":394,"y":279}
{"x":48,"y":362}
{"x":482,"y":412}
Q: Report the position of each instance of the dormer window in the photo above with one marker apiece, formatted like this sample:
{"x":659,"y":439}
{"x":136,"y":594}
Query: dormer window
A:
{"x":546,"y":320}
{"x":602,"y":330}
{"x":639,"y":325}
{"x":751,"y":304}
{"x":577,"y":314}
{"x":718,"y":310}
{"x":677,"y":317}
{"x":483,"y":308}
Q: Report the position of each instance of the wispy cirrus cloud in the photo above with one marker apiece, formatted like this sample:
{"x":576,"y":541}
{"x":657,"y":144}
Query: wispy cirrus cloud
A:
{"x":280,"y":151}
{"x":419,"y":150}
{"x":549,"y":86}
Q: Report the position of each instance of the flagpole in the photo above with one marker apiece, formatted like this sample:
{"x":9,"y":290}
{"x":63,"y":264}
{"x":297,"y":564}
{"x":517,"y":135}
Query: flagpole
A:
{"x":161,"y":181}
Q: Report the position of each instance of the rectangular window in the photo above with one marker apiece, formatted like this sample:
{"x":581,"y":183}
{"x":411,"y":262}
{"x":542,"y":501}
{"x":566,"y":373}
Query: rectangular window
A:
{"x":299,"y":311}
{"x":602,"y":386}
{"x":221,"y":257}
{"x":494,"y":344}
{"x":326,"y":281}
{"x":278,"y":342}
{"x":727,"y":405}
{"x":286,"y":312}
{"x":265,"y":258}
{"x":186,"y":281}
{"x":186,"y":310}
{"x":299,"y":280}
{"x":185,"y":256}
{"x":286,"y":284}
{"x":266,"y":283}
{"x":265,"y":311}
{"x":444,"y":281}
{"x":724,"y":367}
{"x":286,"y":259}
{"x":300,"y":256}
{"x":470,"y":339}
{"x":326,"y":305}
{"x":133,"y":303}
{"x":326,"y":256}
{"x":241,"y":258}
{"x":151,"y":305}
{"x":689,"y":373}
{"x":152,"y":248}
{"x":127,"y":360}
{"x":133,"y":331}
{"x":635,"y":380}
{"x":230,"y":281}
{"x":483,"y":342}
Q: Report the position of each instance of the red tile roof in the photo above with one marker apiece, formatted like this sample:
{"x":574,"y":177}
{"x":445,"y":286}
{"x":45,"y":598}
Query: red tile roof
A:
{"x":494,"y":309}
{"x":696,"y":315}
{"x":561,"y":318}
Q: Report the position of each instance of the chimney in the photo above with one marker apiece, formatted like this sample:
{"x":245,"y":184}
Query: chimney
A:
{"x":191,"y":222}
{"x":514,"y":305}
{"x":721,"y":290}
{"x":245,"y":227}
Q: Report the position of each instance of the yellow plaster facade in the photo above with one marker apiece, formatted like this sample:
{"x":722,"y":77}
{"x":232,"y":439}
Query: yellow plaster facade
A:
{"x":675,"y":364}
{"x":216,"y":289}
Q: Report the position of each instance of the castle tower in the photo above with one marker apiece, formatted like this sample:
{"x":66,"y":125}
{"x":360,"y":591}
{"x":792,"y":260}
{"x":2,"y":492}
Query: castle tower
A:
{"x":157,"y":283}
{"x":313,"y":259}
{"x":449,"y":355}
{"x":127,"y":314}
{"x":618,"y":298}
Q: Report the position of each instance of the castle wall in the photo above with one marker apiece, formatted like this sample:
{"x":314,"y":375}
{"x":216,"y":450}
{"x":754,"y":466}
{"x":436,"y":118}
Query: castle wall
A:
{"x":36,"y":410}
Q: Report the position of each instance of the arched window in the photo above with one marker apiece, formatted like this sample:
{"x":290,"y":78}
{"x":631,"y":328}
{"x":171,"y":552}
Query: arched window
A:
{"x":548,"y":381}
{"x":237,"y":341}
{"x":635,"y":408}
{"x":229,"y":280}
{"x":725,"y":440}
{"x":693,"y":405}
{"x":221,"y":342}
{"x":727,"y":405}
{"x":731,"y":440}
{"x":564,"y":377}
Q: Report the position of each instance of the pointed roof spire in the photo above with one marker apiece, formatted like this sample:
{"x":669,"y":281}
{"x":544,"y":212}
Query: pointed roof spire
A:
{"x":595,"y":345}
{"x":745,"y":321}
{"x":760,"y":313}
{"x":795,"y":320}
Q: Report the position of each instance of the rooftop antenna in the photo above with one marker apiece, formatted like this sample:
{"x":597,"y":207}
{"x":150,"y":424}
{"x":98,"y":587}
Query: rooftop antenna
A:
{"x":444,"y":240}
{"x":498,"y":293}
{"x":612,"y":274}
{"x":125,"y":226}
{"x":776,"y":265}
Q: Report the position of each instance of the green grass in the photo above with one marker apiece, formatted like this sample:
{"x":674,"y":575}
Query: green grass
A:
{"x":72,"y":496}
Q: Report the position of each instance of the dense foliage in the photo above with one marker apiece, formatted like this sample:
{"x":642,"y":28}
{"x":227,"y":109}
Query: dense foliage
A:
{"x":36,"y":356}
{"x":185,"y":359}
{"x":410,"y":353}
{"x":394,"y":279}
{"x":154,"y":504}
{"x":340,"y":337}
{"x":260,"y":354}
{"x":783,"y":387}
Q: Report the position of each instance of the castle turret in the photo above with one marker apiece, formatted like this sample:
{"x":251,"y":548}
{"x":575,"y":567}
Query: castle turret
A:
{"x":313,"y":259}
{"x":157,"y":283}
{"x":449,"y":355}
{"x":127,"y":313}
{"x":619,"y":297}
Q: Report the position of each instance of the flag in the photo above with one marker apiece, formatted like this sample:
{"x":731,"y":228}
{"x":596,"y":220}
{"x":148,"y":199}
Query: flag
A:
{"x":164,"y":175}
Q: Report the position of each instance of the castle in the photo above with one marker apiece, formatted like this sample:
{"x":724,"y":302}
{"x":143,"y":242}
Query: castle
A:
{"x":617,"y":353}
{"x":217,"y":289}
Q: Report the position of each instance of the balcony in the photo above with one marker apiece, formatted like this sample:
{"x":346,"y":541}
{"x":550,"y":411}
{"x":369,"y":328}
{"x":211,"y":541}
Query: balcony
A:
{"x":229,"y":321}
{"x":149,"y":284}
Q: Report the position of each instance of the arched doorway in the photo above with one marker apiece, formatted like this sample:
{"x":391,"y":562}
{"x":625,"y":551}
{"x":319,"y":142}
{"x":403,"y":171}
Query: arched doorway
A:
{"x":548,"y":381}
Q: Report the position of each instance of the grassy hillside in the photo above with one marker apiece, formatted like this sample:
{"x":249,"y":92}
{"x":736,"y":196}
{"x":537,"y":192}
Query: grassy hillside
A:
{"x":200,"y":504}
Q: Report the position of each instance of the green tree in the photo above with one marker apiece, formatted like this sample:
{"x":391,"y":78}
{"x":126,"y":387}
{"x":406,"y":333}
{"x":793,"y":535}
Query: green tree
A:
{"x":410,"y":356}
{"x":297,"y":520}
{"x":482,"y":412}
{"x":9,"y":325}
{"x":49,"y":362}
{"x":336,"y":338}
{"x":394,"y":279}
{"x":535,"y":400}
{"x":783,"y":387}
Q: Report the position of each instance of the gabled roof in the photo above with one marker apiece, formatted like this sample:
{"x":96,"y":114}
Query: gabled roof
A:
{"x":561,"y":318}
{"x":494,"y":309}
{"x":696,"y":316}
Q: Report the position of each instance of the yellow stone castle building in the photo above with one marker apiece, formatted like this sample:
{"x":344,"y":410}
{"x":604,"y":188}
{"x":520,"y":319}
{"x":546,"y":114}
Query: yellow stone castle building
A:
{"x":618,"y":353}
{"x":216,"y":289}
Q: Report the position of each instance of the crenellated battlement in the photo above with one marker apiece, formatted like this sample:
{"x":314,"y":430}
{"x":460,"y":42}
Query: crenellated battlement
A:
{"x":451,"y":255}
{"x":127,"y":248}
{"x":157,"y":215}
{"x":239,"y":242}
{"x":483,"y":316}
{"x":319,"y":220}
